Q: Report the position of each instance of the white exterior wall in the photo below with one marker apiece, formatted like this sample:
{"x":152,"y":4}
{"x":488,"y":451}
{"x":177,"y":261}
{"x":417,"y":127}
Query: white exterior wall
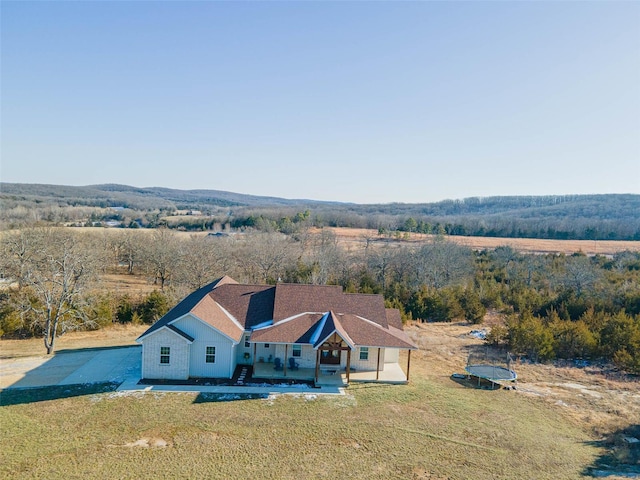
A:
{"x":263,"y":353}
{"x":370,"y":363}
{"x":178,"y":366}
{"x":307,"y":358}
{"x":205,"y":336}
{"x":241,"y":350}
{"x":391,"y":355}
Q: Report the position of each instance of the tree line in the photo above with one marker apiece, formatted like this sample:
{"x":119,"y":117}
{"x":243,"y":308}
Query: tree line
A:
{"x":555,"y":306}
{"x":566,"y":217}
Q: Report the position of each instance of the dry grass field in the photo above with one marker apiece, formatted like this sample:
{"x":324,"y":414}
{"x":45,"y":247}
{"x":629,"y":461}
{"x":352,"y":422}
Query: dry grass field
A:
{"x":433,"y":428}
{"x":115,"y":336}
{"x":594,"y":397}
{"x":123,"y":284}
{"x":552,"y":426}
{"x":357,"y":237}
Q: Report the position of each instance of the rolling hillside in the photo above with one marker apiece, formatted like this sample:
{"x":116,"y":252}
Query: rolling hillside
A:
{"x":592,"y":217}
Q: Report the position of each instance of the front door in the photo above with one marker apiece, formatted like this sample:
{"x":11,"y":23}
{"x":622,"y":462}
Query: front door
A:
{"x":330,"y":357}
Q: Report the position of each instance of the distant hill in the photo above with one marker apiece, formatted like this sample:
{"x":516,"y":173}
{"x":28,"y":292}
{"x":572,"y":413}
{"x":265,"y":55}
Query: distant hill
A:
{"x":113,"y":195}
{"x":609,"y":216}
{"x":607,"y":206}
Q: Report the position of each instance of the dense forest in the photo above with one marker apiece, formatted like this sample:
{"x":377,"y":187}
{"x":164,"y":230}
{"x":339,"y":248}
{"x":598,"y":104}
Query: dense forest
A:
{"x":553,"y":306}
{"x":589,"y":217}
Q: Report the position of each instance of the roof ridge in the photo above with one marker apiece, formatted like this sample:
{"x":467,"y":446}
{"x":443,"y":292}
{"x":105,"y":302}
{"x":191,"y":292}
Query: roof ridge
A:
{"x":308,"y":285}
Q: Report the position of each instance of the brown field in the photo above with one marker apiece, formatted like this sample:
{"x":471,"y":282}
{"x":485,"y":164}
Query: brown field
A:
{"x":124,"y":284}
{"x":355,"y":237}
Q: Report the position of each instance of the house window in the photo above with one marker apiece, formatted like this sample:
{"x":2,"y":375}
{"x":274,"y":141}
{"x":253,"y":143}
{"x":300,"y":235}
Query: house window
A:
{"x":266,"y":345}
{"x":246,"y":342}
{"x":211,"y":355}
{"x":165,"y":355}
{"x":296,"y":351}
{"x":364,"y":353}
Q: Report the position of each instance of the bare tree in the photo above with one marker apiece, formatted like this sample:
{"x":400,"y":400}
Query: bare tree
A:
{"x":579,"y":274}
{"x":265,"y":256}
{"x":17,"y":252}
{"x":55,"y":265}
{"x":203,"y":260}
{"x":381,"y":262}
{"x":162,"y":255}
{"x":441,"y":263}
{"x":324,"y":256}
{"x":127,"y":246}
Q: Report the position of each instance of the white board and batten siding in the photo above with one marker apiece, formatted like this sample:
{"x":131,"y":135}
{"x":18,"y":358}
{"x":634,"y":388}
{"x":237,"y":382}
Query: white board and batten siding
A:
{"x":205,"y":336}
{"x":178,"y":366}
{"x":368,"y":364}
{"x":391,"y":355}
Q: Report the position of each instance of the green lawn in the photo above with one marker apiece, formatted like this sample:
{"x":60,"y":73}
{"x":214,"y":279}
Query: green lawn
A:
{"x":428,"y":429}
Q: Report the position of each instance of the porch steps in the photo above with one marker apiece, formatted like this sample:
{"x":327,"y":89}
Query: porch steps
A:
{"x":241,"y":377}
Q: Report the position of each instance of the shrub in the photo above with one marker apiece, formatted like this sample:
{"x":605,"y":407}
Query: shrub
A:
{"x":498,"y":336}
{"x":125,"y":310}
{"x":474,"y":310}
{"x":102,"y":311}
{"x":154,"y":306}
{"x":10,"y":321}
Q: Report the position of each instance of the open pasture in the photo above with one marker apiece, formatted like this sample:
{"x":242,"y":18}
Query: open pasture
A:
{"x":431,"y":428}
{"x":358,"y":237}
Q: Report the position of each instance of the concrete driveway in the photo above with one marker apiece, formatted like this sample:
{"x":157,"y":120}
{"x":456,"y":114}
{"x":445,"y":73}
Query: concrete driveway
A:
{"x":92,"y":365}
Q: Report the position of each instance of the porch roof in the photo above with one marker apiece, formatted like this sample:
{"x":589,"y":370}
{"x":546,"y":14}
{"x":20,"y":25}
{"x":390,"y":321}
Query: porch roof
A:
{"x":315,"y":328}
{"x":298,"y":329}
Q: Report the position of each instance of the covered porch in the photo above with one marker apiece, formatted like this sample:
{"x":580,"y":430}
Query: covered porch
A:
{"x":325,"y":377}
{"x":392,"y":373}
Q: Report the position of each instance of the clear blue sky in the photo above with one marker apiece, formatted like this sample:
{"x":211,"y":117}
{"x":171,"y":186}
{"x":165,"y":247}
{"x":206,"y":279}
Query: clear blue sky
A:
{"x":351,"y":101}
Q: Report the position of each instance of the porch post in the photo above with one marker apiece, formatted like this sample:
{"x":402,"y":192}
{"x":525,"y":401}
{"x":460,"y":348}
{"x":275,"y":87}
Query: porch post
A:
{"x":408,"y":364}
{"x":317,"y":364}
{"x":378,"y":365}
{"x":253,"y":361}
{"x":284,"y":362}
{"x":348,"y":364}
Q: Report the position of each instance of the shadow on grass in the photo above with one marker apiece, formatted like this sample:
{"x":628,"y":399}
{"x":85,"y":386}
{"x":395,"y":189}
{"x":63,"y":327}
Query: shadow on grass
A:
{"x":228,"y":397}
{"x":18,"y":396}
{"x":621,"y":458}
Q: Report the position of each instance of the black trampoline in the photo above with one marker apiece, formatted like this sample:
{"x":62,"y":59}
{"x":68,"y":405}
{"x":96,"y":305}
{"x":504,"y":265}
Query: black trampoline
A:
{"x":493,"y":373}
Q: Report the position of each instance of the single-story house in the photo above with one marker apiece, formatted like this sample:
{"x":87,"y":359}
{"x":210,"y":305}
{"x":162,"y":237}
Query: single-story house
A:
{"x":282,"y":331}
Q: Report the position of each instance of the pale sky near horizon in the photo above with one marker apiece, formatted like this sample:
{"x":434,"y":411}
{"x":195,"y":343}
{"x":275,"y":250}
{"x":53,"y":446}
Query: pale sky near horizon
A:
{"x":366,"y":102}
